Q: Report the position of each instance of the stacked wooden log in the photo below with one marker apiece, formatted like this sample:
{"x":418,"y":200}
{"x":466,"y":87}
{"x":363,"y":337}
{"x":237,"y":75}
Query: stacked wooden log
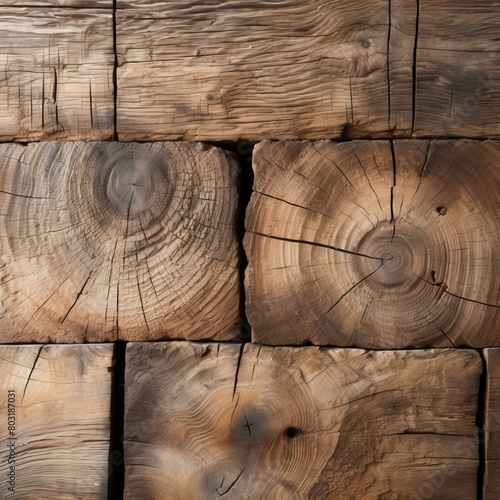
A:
{"x":371,"y":234}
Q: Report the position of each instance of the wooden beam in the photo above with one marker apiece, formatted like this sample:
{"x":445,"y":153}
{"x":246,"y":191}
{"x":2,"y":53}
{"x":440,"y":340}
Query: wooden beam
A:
{"x":492,"y":425}
{"x":105,"y":241}
{"x":56,"y":78}
{"x":55,"y":407}
{"x":307,"y":70}
{"x":375,"y":244}
{"x":76,"y":4}
{"x":254,"y":71}
{"x":207,"y":420}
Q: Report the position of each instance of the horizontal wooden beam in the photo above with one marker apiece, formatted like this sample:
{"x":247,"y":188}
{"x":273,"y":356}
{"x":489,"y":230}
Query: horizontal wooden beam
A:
{"x":54,"y":434}
{"x":307,"y":70}
{"x":105,"y":241}
{"x":56,"y":78}
{"x":207,"y":420}
{"x":374,"y":244}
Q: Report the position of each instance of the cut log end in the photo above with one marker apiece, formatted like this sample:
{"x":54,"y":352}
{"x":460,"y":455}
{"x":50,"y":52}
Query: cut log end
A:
{"x":374,"y":244}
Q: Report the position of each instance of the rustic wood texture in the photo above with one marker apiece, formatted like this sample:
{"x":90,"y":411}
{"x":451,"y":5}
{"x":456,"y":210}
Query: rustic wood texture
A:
{"x":375,"y":244}
{"x":209,"y":420}
{"x":307,"y":70}
{"x":457,"y":89}
{"x":105,"y":241}
{"x":57,"y":74}
{"x":202,"y":71}
{"x":492,"y":426}
{"x":77,"y":4}
{"x":60,"y":440}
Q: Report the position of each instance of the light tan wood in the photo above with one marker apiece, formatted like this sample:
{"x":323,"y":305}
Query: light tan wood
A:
{"x":492,"y":425}
{"x":307,"y":70}
{"x":375,"y":244}
{"x":209,"y":420}
{"x":252,"y":70}
{"x":103,"y":241}
{"x":55,"y":407}
{"x":77,"y":4}
{"x":56,"y":79}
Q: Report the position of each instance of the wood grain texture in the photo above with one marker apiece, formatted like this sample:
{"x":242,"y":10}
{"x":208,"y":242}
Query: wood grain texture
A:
{"x":457,"y":91}
{"x":375,"y":244}
{"x":209,"y":420}
{"x":307,"y":70}
{"x":492,"y":425}
{"x":56,"y":78}
{"x":77,"y":4}
{"x":104,"y":241}
{"x":60,"y":436}
{"x":252,"y":70}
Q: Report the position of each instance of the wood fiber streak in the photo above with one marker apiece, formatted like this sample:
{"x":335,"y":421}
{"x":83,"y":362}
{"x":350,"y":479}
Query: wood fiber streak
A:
{"x":307,"y":70}
{"x":492,"y":426}
{"x":103,"y":241}
{"x":62,"y":410}
{"x":56,"y":74}
{"x":375,"y":244}
{"x":251,"y":70}
{"x":204,"y":421}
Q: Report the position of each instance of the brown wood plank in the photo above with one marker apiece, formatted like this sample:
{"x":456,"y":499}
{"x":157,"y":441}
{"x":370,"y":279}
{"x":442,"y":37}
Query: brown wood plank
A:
{"x":375,"y":244}
{"x":57,"y":74}
{"x":458,"y":70}
{"x":208,"y":420}
{"x":105,"y":240}
{"x":290,"y":69}
{"x":55,"y":408}
{"x":492,"y":425}
{"x":307,"y":70}
{"x":77,"y":4}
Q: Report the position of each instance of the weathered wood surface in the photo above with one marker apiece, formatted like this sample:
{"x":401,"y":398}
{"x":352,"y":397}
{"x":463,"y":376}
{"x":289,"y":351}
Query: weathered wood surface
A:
{"x":77,"y":4}
{"x":58,"y":440}
{"x":310,"y":70}
{"x":103,"y":241}
{"x":56,"y":79}
{"x":208,"y":420}
{"x":492,"y":426}
{"x":375,"y":244}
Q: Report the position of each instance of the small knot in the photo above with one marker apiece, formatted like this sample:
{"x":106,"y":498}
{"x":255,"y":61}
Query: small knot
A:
{"x":442,"y":210}
{"x":292,"y":432}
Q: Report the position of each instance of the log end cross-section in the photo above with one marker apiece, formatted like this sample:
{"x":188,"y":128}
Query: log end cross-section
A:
{"x":104,"y":241}
{"x":375,"y":244}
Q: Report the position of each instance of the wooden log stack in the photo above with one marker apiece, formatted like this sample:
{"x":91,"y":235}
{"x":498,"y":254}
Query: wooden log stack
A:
{"x":360,"y":249}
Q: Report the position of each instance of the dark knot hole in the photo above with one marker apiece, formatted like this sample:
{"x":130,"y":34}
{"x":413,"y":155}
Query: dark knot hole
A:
{"x":292,"y":432}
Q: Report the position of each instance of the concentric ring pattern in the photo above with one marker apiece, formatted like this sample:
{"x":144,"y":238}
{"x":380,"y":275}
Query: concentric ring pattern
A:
{"x":375,"y":244}
{"x":104,"y":241}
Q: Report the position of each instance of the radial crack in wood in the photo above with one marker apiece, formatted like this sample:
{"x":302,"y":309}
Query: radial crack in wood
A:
{"x":375,"y":244}
{"x":106,"y":240}
{"x":56,"y":405}
{"x":302,"y":423}
{"x":491,"y":484}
